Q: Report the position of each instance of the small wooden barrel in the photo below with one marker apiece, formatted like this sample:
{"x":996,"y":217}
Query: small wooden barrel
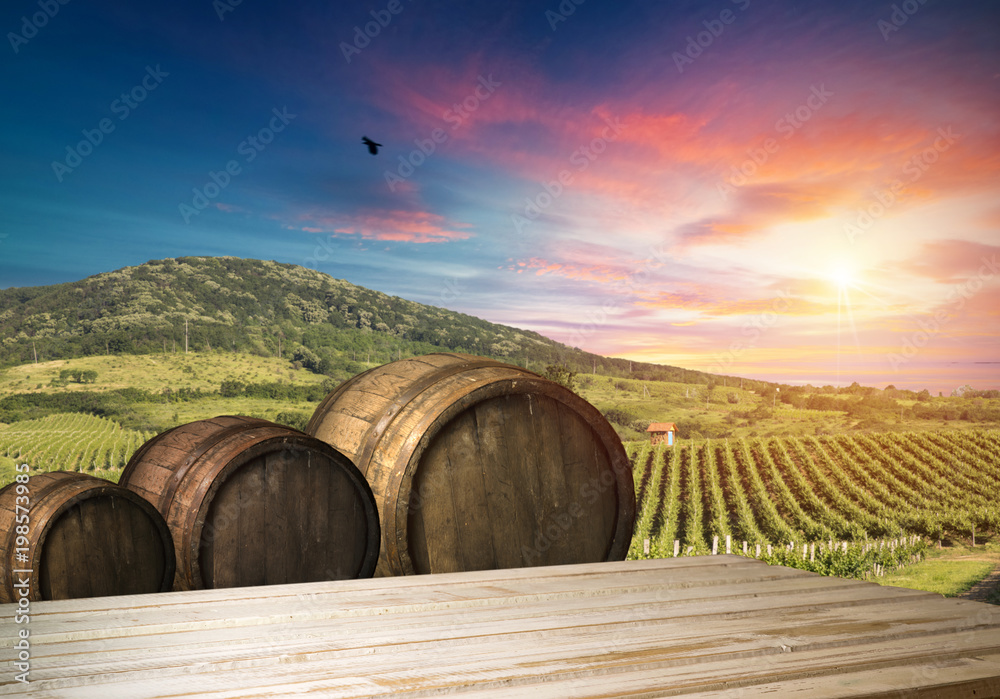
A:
{"x":86,"y":537}
{"x":479,"y":465}
{"x":250,"y":502}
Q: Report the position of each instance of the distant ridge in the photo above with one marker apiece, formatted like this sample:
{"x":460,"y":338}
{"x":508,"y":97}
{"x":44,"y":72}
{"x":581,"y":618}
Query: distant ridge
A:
{"x":265,"y":308}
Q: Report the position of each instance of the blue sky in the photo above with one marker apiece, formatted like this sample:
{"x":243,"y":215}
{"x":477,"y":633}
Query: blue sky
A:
{"x":799,"y":191}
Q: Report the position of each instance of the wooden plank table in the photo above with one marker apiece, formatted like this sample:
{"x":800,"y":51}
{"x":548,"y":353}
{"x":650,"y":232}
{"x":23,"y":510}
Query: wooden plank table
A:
{"x":718,"y":626}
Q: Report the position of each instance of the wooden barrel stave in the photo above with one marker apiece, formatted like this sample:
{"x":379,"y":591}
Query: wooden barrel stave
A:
{"x":416,"y":426}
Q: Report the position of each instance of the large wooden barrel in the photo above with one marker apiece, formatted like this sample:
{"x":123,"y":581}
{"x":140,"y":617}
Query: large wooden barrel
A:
{"x":477,"y":465}
{"x":82,"y":537}
{"x":250,"y":502}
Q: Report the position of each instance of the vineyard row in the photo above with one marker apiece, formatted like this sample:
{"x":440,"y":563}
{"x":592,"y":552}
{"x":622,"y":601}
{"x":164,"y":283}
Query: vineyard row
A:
{"x":782,"y":492}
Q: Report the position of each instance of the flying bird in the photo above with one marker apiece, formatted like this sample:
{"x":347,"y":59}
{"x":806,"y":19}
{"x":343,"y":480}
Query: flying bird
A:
{"x":372,"y":146}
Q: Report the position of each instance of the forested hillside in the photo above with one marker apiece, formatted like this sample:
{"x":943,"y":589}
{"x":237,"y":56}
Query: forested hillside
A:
{"x":265,"y":308}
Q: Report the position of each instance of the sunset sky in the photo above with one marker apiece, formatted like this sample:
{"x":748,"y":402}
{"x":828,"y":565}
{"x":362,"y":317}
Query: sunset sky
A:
{"x":796,"y":191}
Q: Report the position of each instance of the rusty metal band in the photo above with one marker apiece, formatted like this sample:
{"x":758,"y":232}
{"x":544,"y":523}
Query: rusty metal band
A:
{"x":374,"y":433}
{"x":177,"y":477}
{"x":140,"y":454}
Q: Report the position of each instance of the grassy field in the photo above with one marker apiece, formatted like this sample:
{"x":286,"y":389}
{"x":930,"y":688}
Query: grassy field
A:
{"x":204,"y":371}
{"x":677,"y":402}
{"x":728,"y":410}
{"x":180,"y":413}
{"x":950,"y":570}
{"x":6,"y":470}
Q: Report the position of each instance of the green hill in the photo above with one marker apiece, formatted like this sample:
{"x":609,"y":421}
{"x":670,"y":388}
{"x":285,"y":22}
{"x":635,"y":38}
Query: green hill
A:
{"x":268,"y":309}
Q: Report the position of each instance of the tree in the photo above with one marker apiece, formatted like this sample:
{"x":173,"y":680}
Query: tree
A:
{"x":560,"y":374}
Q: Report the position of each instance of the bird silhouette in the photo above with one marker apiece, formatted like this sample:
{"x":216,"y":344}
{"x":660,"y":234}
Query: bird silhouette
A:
{"x":372,"y":146}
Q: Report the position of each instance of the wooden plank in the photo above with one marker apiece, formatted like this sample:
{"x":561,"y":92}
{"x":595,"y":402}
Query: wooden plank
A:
{"x":344,"y":538}
{"x":503,"y":585}
{"x":315,"y":521}
{"x":401,"y":669}
{"x":281,"y":486}
{"x":102,"y":547}
{"x":131,"y":560}
{"x":220,"y":558}
{"x":645,"y":628}
{"x":481,"y":489}
{"x":58,"y":557}
{"x":574,"y":628}
{"x":432,"y":533}
{"x":252,"y":524}
{"x":520,"y":456}
{"x":507,"y":513}
{"x":588,"y":467}
{"x":560,"y":503}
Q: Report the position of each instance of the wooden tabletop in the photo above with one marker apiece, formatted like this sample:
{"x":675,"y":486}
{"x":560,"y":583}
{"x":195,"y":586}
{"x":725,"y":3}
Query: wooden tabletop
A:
{"x":718,"y":626}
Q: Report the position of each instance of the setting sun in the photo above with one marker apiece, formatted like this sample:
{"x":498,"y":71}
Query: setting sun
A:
{"x":842,"y":275}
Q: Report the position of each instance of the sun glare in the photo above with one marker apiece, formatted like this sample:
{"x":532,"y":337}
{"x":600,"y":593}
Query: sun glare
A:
{"x":842,"y":275}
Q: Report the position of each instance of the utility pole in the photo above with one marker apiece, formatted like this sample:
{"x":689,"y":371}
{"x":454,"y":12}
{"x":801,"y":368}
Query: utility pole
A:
{"x":185,"y":336}
{"x":33,"y":349}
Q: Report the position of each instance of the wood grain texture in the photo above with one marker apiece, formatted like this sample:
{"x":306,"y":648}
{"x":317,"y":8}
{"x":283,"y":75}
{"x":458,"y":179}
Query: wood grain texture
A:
{"x":87,"y":537}
{"x":250,"y":502}
{"x":716,"y":626}
{"x":478,"y":465}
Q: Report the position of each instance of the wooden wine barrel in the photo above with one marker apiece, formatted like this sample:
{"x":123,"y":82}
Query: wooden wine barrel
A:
{"x":477,"y":465}
{"x":250,"y":502}
{"x":85,"y":537}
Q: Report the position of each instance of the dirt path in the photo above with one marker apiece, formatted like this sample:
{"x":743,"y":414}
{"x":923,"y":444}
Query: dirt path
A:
{"x":986,"y":590}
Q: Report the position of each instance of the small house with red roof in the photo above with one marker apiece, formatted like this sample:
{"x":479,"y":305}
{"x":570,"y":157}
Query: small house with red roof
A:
{"x":662,"y":432}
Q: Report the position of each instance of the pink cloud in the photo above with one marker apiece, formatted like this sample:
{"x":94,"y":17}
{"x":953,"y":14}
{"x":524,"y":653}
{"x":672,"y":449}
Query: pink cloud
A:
{"x":399,"y":226}
{"x":954,"y":261}
{"x":590,"y":273}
